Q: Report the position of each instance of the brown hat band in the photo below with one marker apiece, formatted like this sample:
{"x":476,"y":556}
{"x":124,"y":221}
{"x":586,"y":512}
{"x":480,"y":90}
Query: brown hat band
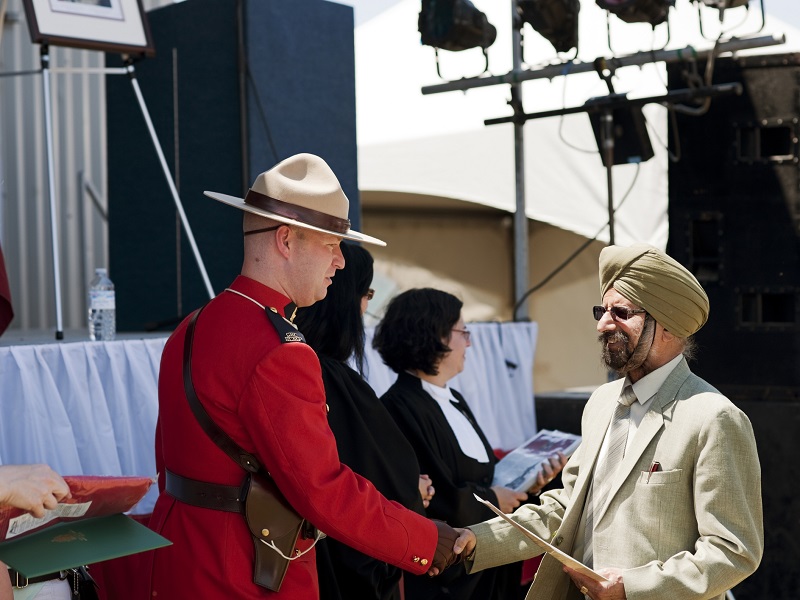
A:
{"x":309,"y":216}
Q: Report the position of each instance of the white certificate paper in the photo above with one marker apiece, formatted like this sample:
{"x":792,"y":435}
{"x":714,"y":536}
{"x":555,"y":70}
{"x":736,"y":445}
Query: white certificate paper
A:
{"x":549,"y":548}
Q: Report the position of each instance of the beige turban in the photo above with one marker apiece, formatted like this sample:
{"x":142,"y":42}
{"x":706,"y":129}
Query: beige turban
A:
{"x":659,"y":284}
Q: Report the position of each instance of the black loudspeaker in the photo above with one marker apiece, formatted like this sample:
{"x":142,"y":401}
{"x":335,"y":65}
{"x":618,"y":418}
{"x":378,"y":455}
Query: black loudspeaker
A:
{"x":235,"y":87}
{"x":734,"y":216}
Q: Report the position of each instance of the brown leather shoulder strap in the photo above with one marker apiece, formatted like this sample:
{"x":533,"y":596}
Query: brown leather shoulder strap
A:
{"x":244,"y":459}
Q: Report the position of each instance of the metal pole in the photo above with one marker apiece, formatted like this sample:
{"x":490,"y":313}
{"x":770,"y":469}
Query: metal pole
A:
{"x":636,"y":59}
{"x":621,"y":101}
{"x":607,"y":141}
{"x":520,"y":216}
{"x":164,"y":167}
{"x":51,"y":185}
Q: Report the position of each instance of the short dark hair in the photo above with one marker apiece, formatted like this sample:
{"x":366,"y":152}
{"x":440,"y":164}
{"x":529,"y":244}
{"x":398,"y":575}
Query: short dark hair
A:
{"x":410,"y":335}
{"x":333,"y":327}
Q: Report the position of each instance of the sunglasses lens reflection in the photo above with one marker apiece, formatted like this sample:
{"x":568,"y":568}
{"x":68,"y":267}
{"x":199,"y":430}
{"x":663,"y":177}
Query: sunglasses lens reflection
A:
{"x":618,"y":313}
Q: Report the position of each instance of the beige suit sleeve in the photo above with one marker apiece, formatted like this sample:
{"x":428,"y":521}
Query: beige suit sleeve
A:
{"x":500,"y":543}
{"x":728,"y":517}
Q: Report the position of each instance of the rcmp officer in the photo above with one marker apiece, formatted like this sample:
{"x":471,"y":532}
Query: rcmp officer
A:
{"x":264,"y":390}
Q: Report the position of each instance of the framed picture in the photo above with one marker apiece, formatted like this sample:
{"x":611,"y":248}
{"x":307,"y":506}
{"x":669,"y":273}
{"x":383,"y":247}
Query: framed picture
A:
{"x":106,"y":25}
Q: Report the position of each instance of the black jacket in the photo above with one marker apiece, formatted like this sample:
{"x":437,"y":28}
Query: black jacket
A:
{"x":370,"y":443}
{"x":456,"y":477}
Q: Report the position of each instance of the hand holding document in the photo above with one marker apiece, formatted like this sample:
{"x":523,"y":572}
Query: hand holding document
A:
{"x":519,"y":468}
{"x":90,"y":496}
{"x":84,"y":528}
{"x":549,"y":548}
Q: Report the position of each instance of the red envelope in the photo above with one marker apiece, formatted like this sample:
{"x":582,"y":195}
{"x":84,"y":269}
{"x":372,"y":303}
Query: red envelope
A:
{"x":92,"y":496}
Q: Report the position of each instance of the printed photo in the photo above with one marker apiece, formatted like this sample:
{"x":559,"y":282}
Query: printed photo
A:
{"x":104,"y":9}
{"x":103,"y":25}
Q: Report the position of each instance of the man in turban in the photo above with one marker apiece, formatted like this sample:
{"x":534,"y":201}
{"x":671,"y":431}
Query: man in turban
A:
{"x":663,"y":496}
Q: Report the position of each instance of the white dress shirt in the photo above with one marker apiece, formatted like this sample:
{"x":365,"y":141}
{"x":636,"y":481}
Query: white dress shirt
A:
{"x":645,"y":390}
{"x":469,"y":440}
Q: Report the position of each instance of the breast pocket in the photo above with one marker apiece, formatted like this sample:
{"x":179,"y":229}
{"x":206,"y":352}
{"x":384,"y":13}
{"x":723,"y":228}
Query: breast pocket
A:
{"x":659,"y":477}
{"x":659,"y":492}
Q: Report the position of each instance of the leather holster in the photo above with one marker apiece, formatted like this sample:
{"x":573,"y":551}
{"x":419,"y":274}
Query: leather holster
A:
{"x":270,"y":519}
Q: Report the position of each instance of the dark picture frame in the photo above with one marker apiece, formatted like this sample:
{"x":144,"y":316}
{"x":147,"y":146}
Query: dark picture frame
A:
{"x":105,"y":25}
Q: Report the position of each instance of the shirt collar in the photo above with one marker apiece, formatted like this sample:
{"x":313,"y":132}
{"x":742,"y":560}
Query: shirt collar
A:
{"x":440,"y":394}
{"x":263,"y":294}
{"x":648,"y":386}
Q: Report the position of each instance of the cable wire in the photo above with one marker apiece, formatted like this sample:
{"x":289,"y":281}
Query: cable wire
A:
{"x":580,"y":249}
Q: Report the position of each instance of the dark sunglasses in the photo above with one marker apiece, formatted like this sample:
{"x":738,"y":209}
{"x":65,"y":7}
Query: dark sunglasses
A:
{"x":618,"y":313}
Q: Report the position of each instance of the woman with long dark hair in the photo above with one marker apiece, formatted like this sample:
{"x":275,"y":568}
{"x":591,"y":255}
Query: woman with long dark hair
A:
{"x":367,"y":437}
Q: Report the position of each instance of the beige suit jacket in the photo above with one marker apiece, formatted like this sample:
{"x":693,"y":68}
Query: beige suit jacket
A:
{"x":692,"y":532}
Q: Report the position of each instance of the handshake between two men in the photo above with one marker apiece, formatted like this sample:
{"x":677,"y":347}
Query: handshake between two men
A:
{"x":452,"y":548}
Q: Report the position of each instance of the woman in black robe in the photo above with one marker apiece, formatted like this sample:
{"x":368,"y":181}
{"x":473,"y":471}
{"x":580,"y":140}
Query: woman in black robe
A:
{"x":368,"y":439}
{"x":423,"y":338}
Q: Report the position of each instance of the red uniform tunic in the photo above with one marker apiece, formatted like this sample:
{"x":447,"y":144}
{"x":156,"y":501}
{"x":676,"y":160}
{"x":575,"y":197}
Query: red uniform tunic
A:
{"x":269,"y":398}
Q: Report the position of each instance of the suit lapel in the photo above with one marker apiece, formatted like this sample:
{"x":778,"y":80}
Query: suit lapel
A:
{"x":592,"y":441}
{"x":651,"y":424}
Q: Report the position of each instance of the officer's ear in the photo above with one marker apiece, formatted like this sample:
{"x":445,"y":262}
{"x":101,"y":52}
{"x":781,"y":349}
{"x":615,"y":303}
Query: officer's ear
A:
{"x":285,"y":236}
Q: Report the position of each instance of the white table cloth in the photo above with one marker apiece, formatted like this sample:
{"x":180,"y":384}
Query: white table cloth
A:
{"x":90,"y":408}
{"x":82,"y":407}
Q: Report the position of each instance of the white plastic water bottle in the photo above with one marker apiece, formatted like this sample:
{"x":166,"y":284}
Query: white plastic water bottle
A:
{"x":102,"y":308}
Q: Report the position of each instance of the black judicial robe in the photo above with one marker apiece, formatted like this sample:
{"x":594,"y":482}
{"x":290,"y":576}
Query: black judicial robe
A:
{"x":456,"y":477}
{"x":372,"y":445}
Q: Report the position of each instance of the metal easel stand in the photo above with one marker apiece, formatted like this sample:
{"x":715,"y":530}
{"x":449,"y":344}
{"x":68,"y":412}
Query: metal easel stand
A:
{"x":51,"y":186}
{"x":48,"y":120}
{"x":48,"y":131}
{"x":129,"y":69}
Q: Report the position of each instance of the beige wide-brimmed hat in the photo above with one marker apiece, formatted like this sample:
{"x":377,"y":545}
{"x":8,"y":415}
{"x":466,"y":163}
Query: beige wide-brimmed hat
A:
{"x":301,"y":190}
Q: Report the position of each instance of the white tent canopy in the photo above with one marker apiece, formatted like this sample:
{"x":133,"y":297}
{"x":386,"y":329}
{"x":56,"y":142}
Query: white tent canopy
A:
{"x":437,"y":145}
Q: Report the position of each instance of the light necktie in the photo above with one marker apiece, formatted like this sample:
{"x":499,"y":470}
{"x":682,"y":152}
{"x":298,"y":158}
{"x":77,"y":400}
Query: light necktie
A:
{"x":606,"y":467}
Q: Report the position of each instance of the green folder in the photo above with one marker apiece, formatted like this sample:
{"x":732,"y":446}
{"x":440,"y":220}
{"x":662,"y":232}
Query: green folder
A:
{"x":76,"y":543}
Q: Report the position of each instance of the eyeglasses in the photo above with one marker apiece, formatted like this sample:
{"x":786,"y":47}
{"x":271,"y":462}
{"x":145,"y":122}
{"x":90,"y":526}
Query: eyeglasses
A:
{"x":370,"y":294}
{"x":466,"y":333}
{"x":618,"y":313}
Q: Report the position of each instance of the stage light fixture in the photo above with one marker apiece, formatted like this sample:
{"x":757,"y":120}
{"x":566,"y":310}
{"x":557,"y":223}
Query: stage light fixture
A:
{"x":454,"y":25}
{"x":638,"y":11}
{"x":555,"y":20}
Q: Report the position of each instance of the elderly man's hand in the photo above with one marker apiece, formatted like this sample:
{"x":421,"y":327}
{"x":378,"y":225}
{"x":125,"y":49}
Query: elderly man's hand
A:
{"x":613,"y":589}
{"x":33,"y":488}
{"x":465,"y":544}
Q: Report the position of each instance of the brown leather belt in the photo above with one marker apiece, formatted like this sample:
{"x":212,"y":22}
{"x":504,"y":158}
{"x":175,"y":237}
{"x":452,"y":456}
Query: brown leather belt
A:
{"x":215,"y":496}
{"x":18,"y":580}
{"x":205,"y":495}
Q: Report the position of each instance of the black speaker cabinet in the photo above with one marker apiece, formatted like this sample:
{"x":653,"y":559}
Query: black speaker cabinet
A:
{"x":734,"y":216}
{"x":235,"y":87}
